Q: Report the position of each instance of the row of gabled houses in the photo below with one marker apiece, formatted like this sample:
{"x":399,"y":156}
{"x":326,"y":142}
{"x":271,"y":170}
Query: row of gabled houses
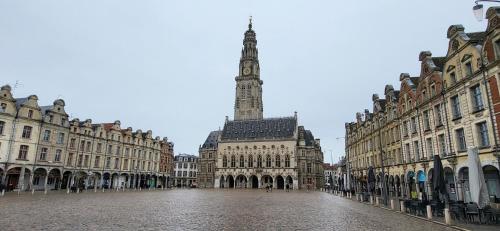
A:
{"x":42,"y":149}
{"x":451,"y":106}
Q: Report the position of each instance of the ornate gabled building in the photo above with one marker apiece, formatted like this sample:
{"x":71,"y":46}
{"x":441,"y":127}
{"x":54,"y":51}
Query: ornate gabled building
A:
{"x":252,"y":151}
{"x":451,"y":106}
{"x":40,"y":149}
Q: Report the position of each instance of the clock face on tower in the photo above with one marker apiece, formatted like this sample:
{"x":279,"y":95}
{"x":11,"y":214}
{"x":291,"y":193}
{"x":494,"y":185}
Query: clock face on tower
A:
{"x":246,"y":70}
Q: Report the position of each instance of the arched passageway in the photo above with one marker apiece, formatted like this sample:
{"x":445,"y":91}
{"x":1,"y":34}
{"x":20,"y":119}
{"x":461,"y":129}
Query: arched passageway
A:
{"x":267,"y":181}
{"x":230,"y":181}
{"x":241,"y":181}
{"x":254,"y":181}
{"x":280,"y":182}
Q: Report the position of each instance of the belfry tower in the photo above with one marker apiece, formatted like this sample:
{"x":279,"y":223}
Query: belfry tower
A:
{"x":248,"y":103}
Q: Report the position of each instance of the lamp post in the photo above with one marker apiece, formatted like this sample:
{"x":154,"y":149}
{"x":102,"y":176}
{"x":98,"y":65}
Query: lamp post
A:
{"x":478,"y":8}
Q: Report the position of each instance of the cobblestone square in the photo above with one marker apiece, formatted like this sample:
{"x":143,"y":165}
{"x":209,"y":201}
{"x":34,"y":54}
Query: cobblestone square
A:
{"x":198,"y":209}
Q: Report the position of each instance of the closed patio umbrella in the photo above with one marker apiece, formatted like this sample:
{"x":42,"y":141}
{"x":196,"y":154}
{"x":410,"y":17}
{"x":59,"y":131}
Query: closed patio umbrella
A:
{"x":477,"y":185}
{"x":371,"y":179}
{"x":439,"y":186}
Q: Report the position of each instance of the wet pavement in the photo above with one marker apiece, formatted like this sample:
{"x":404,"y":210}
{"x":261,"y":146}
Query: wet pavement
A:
{"x":198,"y":209}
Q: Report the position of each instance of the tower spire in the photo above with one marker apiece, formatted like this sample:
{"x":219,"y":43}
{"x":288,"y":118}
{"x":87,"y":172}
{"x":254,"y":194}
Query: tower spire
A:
{"x":248,"y":102}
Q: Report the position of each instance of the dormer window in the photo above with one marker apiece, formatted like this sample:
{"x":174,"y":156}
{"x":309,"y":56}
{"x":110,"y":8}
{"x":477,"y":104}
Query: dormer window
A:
{"x":30,"y":114}
{"x":3,"y":107}
{"x":433,"y":90}
{"x":468,"y":69}
{"x":51,"y":118}
{"x":63,"y":121}
{"x":453,"y":78}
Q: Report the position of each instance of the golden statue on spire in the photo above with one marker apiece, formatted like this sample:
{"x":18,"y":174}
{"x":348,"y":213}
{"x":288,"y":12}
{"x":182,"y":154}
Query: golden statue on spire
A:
{"x":250,"y":22}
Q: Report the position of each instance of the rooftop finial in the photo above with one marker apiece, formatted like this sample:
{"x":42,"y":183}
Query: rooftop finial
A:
{"x":250,"y":22}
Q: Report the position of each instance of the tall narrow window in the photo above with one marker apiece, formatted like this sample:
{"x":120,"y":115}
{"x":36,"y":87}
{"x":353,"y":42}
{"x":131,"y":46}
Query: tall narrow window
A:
{"x":70,"y":159}
{"x":268,"y":161}
{"x":30,"y":114}
{"x":428,"y":143}
{"x":453,"y":78}
{"x":309,"y":168}
{"x":86,"y":161}
{"x":417,"y":150}
{"x":2,"y":125}
{"x":426,"y":121}
{"x":46,"y":135}
{"x":57,"y":156}
{"x":60,"y":138}
{"x":117,"y":163}
{"x":259,"y":161}
{"x":250,"y":161}
{"x":43,"y":154}
{"x":462,"y":145}
{"x":287,"y":161}
{"x":455,"y":107}
{"x":72,"y":143}
{"x":482,"y":130}
{"x":413,"y":125}
{"x":468,"y":69}
{"x":224,"y":161}
{"x":477,"y":100}
{"x":97,"y":161}
{"x":442,"y":145}
{"x":26,"y":132}
{"x":82,"y":145}
{"x":242,"y":161}
{"x":233,"y":161}
{"x":278,"y":161}
{"x":439,"y":115}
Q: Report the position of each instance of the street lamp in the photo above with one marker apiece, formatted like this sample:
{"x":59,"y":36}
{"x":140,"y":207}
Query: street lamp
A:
{"x":478,"y":9}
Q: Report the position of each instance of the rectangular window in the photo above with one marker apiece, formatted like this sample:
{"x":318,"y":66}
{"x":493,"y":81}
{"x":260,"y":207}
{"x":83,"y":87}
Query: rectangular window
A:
{"x":63,"y":121}
{"x":23,"y":152}
{"x":442,"y":145}
{"x":125,"y":164}
{"x":2,"y":125}
{"x":108,"y":162}
{"x":117,"y":150}
{"x":461,"y":144}
{"x":30,"y":114}
{"x":88,"y":147}
{"x":428,"y":143}
{"x":86,"y":161}
{"x":455,"y":107}
{"x":99,"y":147}
{"x":72,"y":143}
{"x":417,"y":150}
{"x":426,"y":121}
{"x":309,"y":170}
{"x":482,"y":130}
{"x":477,"y":100}
{"x":413,"y":125}
{"x":453,"y":78}
{"x":57,"y":157}
{"x":82,"y":145}
{"x":43,"y":154}
{"x":497,"y":47}
{"x":468,"y":69}
{"x":46,"y":135}
{"x":70,"y":159}
{"x":439,"y":116}
{"x":97,"y":161}
{"x":60,"y":138}
{"x":117,"y":162}
{"x":133,"y":165}
{"x":110,"y":147}
{"x":405,"y":128}
{"x":80,"y":161}
{"x":26,"y":132}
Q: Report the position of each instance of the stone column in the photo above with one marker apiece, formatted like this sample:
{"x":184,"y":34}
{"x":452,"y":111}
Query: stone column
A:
{"x":45,"y":183}
{"x":68,"y":184}
{"x":20,"y":182}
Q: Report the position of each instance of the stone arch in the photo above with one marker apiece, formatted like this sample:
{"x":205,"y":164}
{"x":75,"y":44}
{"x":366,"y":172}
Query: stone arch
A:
{"x":280,"y":182}
{"x":241,"y":181}
{"x":55,"y":179}
{"x":491,"y":176}
{"x":289,"y":181}
{"x":230,"y":181}
{"x":266,"y":180}
{"x":449,"y":179}
{"x":222,"y":182}
{"x":463,"y":187}
{"x":254,"y":181}
{"x":39,"y":176}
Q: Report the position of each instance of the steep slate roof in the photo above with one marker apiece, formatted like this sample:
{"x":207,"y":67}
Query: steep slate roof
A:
{"x":476,"y":36}
{"x":309,"y":138}
{"x":439,"y":62}
{"x":277,"y":128}
{"x":20,"y":102}
{"x":45,"y":109}
{"x":211,"y":140}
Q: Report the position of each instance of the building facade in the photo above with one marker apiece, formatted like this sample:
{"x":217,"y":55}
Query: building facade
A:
{"x":186,"y":170}
{"x":448,"y":109}
{"x":252,"y":151}
{"x":41,"y":149}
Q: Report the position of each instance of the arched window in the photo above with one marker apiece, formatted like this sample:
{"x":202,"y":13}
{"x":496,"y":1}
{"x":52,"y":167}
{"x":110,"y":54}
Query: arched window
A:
{"x":243,"y":91}
{"x":268,"y":161}
{"x":250,"y":161}
{"x":259,"y":161}
{"x":224,"y":161}
{"x":233,"y":161}
{"x":249,"y":91}
{"x":242,"y":161}
{"x":287,"y":161}
{"x":278,"y":161}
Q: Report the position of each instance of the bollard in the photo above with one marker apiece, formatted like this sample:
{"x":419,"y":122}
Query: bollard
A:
{"x":447,"y":217}
{"x":362,"y":198}
{"x":95,"y":189}
{"x":67,"y":192}
{"x":123,"y":189}
{"x":32,"y":191}
{"x":45,"y":192}
{"x":377,"y":201}
{"x":3,"y":192}
{"x":78,"y":190}
{"x":429,"y":212}
{"x":103,"y":189}
{"x":402,"y":204}
{"x":392,"y":204}
{"x":371,"y":200}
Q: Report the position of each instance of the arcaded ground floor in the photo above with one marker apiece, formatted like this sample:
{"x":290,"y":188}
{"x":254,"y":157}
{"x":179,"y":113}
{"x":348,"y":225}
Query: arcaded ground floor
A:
{"x":198,"y":209}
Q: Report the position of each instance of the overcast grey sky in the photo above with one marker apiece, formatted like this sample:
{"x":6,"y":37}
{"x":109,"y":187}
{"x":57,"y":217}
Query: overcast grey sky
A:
{"x":169,"y":66}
